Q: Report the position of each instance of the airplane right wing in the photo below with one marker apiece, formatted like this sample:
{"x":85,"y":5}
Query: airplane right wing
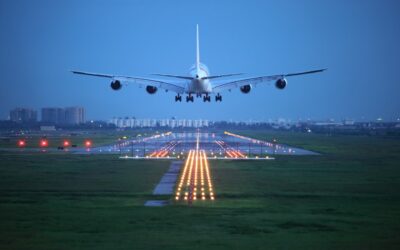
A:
{"x":138,"y":80}
{"x":256,"y":80}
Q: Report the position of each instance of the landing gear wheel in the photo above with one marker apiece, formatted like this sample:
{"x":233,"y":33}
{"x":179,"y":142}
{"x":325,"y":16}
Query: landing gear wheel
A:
{"x":178,"y":98}
{"x":189,"y":98}
{"x":218,"y":98}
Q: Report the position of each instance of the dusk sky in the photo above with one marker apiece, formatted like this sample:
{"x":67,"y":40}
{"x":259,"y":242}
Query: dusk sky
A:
{"x":358,"y":41}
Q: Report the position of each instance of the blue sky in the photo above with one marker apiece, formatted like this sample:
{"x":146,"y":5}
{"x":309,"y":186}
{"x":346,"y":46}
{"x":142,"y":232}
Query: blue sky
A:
{"x":40,"y":41}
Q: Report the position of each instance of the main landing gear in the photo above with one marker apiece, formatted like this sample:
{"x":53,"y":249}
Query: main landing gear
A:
{"x":189,"y":98}
{"x":178,"y":98}
{"x":206,"y":98}
{"x":218,"y":98}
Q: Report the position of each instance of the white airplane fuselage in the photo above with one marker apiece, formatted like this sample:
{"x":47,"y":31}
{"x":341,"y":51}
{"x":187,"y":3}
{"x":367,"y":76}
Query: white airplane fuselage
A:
{"x":199,"y":85}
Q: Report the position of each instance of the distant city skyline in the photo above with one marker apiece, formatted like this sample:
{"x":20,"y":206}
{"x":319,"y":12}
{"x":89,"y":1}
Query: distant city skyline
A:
{"x":57,"y":115}
{"x":357,"y":41}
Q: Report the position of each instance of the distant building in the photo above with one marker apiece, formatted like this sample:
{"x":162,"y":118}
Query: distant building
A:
{"x":23,"y":115}
{"x":47,"y":128}
{"x":74,"y":115}
{"x":53,"y":115}
{"x":348,"y":122}
{"x":152,"y":123}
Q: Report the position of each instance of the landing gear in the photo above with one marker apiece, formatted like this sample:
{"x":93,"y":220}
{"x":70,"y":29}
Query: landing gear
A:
{"x":189,"y":98}
{"x":218,"y":98}
{"x":178,"y":98}
{"x":206,"y":98}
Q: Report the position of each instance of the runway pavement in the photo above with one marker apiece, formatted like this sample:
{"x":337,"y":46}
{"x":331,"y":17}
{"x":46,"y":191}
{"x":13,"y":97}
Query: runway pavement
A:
{"x":215,"y":145}
{"x":223,"y":145}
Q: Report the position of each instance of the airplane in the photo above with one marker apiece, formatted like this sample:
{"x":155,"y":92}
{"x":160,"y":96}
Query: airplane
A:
{"x":198,"y":82}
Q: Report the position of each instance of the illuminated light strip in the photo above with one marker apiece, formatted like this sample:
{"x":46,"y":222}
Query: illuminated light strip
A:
{"x":194,"y":186}
{"x":164,"y":150}
{"x":233,"y":152}
{"x":188,"y":182}
{"x":171,"y":147}
{"x":202,"y":190}
{"x":210,"y":188}
{"x":220,"y":143}
{"x":251,"y":139}
{"x":167,"y":149}
{"x":182,"y":179}
{"x":241,"y":154}
{"x":226,"y":147}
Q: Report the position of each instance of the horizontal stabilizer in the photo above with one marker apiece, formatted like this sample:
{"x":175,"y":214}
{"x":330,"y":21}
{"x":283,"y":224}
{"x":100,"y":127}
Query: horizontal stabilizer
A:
{"x":220,"y":76}
{"x":175,"y":76}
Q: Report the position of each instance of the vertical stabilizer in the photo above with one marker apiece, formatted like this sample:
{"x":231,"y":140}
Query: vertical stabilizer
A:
{"x":197,"y":49}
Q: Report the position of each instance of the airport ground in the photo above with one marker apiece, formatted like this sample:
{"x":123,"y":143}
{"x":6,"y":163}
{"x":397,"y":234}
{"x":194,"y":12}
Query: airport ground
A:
{"x":345,"y":198}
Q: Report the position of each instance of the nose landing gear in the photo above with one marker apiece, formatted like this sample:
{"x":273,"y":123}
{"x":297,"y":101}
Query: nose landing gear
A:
{"x":206,"y":98}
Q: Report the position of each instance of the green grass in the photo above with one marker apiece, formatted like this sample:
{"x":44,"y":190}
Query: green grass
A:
{"x":346,"y":198}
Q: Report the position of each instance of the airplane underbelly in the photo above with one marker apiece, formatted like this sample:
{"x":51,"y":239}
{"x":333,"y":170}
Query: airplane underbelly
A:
{"x":201,"y":86}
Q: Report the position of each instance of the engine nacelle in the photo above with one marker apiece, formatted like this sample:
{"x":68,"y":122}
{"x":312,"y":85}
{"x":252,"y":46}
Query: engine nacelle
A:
{"x":245,"y":89}
{"x":281,"y":83}
{"x":151,"y":89}
{"x":116,"y":85}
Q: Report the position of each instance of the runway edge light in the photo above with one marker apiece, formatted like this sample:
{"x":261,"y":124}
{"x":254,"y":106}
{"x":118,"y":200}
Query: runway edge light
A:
{"x":88,"y":143}
{"x":44,"y":143}
{"x":21,"y":143}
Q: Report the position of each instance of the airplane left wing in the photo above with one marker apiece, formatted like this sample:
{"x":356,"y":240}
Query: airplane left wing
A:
{"x":138,"y":80}
{"x":256,"y":80}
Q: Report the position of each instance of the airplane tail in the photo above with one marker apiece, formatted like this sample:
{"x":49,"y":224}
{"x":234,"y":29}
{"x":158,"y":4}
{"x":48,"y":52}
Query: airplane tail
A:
{"x":197,"y":49}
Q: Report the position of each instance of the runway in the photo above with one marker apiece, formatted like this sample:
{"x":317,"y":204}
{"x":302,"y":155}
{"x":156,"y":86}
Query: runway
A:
{"x":215,"y":145}
{"x":177,"y":145}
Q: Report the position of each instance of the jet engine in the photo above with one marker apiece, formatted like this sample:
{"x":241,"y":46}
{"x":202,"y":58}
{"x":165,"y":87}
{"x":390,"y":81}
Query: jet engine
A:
{"x":245,"y":89}
{"x":116,"y":85}
{"x":281,"y":83}
{"x":151,"y":89}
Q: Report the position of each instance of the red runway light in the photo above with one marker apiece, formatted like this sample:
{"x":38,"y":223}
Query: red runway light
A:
{"x":44,"y":143}
{"x":88,"y":143}
{"x":21,"y":143}
{"x":66,"y":143}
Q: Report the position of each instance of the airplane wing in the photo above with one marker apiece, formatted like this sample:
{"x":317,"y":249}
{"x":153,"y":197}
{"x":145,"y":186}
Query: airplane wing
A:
{"x":138,"y":80}
{"x":256,"y":80}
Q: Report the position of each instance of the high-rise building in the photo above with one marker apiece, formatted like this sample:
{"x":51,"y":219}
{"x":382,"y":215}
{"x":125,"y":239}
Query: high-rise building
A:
{"x":74,"y":115}
{"x":53,"y":115}
{"x":23,"y":115}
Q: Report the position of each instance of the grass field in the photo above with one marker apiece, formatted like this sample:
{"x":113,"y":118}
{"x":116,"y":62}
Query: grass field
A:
{"x":346,"y":198}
